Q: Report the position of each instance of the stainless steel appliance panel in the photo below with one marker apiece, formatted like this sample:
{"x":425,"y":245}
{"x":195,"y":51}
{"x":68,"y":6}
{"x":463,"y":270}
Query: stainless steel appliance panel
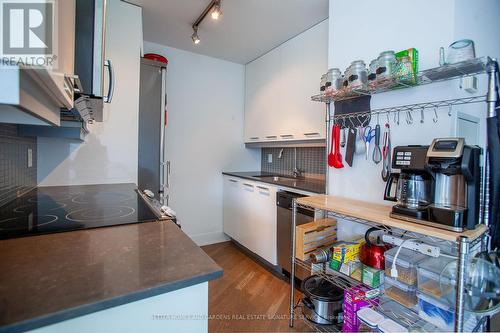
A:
{"x":151,"y":127}
{"x":284,"y":232}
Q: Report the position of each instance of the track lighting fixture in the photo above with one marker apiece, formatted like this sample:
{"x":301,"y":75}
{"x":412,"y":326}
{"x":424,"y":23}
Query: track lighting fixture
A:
{"x":215,"y":10}
{"x":195,"y":37}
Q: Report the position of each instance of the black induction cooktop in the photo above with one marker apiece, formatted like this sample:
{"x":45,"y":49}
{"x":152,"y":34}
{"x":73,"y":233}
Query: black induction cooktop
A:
{"x":58,"y":209}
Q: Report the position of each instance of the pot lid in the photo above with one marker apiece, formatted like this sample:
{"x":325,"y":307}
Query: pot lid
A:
{"x":321,"y":289}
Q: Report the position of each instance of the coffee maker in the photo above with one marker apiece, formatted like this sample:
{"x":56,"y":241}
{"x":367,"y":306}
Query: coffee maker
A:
{"x":413,"y":192}
{"x":457,"y":175}
{"x":438,"y":184}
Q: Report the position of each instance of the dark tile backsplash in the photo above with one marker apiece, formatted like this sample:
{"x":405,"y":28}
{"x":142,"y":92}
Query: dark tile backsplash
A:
{"x":15,"y":176}
{"x":311,"y":161}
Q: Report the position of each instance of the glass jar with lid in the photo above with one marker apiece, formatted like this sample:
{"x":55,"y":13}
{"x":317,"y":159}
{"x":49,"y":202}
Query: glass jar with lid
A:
{"x":322,"y":85}
{"x":386,"y":65}
{"x":358,"y":77}
{"x":333,"y":80}
{"x":372,"y":71}
{"x":345,"y":79}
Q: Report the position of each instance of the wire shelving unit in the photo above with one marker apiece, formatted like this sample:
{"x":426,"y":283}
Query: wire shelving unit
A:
{"x":465,"y":242}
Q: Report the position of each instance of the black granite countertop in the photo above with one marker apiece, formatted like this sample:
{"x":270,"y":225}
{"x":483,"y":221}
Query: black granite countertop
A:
{"x":312,"y":185}
{"x":51,"y":278}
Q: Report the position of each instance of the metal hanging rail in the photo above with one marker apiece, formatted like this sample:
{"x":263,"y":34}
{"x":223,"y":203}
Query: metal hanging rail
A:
{"x":449,"y":103}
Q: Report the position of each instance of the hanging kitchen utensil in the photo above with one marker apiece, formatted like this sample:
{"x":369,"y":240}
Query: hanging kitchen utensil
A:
{"x":360,"y":143}
{"x":344,"y":137}
{"x":386,"y":153}
{"x":337,"y":162}
{"x":368,"y":136}
{"x":331,"y":156}
{"x":351,"y":146}
{"x":377,"y":153}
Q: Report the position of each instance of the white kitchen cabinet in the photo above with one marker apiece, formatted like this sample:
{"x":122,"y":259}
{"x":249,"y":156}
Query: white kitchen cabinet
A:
{"x":250,"y":216}
{"x":279,"y":86}
{"x":264,"y":226}
{"x":33,"y":94}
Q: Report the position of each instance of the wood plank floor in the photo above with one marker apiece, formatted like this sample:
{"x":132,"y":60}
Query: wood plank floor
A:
{"x":248,"y":298}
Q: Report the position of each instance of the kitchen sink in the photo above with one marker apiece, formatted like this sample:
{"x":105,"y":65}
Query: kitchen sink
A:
{"x":279,"y":179}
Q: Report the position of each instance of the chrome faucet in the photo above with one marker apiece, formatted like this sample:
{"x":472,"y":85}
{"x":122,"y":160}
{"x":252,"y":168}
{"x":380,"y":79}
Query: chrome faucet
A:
{"x":297,"y":173}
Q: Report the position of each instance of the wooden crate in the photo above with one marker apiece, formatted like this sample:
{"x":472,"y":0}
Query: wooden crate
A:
{"x":311,"y":236}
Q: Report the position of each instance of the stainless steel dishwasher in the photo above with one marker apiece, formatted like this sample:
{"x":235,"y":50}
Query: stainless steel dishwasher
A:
{"x":284,"y":232}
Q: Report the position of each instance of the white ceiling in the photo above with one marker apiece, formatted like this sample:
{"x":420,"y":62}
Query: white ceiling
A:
{"x":247,"y":29}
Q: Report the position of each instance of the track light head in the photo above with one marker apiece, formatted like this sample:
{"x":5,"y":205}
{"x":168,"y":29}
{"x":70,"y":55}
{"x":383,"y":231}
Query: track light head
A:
{"x":216,"y":11}
{"x":195,"y":37}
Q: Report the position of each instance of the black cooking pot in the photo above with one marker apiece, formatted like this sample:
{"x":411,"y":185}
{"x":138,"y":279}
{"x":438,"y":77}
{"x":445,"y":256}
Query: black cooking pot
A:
{"x":322,"y":303}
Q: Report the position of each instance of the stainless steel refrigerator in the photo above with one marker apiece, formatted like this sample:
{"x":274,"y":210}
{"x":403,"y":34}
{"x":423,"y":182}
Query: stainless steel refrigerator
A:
{"x":153,"y":167}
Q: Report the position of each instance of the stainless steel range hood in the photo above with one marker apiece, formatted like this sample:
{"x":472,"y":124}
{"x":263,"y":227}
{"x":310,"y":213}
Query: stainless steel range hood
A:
{"x":91,"y":65}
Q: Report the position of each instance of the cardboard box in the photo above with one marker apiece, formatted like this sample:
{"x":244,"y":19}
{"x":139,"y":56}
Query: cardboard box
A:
{"x":344,"y":252}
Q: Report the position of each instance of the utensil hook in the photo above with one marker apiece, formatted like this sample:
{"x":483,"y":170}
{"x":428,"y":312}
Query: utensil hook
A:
{"x":409,"y":117}
{"x":422,"y":119}
{"x":450,"y":107}
{"x":387,"y":115}
{"x":436,"y":118}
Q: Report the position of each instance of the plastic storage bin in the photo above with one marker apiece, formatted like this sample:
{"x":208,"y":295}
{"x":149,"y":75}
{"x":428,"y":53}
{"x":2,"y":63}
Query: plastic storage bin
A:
{"x":430,"y":278}
{"x":397,"y":312}
{"x":400,"y":292}
{"x":406,"y":264}
{"x":435,"y":312}
{"x":369,"y":319}
{"x":390,"y":326}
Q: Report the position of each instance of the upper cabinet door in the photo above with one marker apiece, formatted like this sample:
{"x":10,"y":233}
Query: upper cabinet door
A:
{"x":279,"y":86}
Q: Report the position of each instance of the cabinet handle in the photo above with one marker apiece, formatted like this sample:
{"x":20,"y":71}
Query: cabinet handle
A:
{"x":111,"y":89}
{"x":233,"y":181}
{"x":271,"y":137}
{"x":263,"y":188}
{"x":254,"y":138}
{"x":248,"y":185}
{"x":287,"y":136}
{"x":312,"y":134}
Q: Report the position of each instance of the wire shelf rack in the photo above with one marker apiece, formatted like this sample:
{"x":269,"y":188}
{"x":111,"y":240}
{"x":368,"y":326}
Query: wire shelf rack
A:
{"x":438,"y":74}
{"x":396,"y":232}
{"x":316,"y":327}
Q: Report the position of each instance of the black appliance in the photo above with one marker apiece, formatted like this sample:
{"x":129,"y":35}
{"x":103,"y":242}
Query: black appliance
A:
{"x":284,"y":232}
{"x":457,"y":175}
{"x":413,"y":192}
{"x":438,"y":185}
{"x":67,"y":208}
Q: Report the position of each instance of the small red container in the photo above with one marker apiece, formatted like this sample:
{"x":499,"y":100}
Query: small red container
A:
{"x":156,"y":57}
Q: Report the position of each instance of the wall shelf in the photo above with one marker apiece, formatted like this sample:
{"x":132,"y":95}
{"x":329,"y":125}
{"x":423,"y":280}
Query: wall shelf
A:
{"x":438,"y":74}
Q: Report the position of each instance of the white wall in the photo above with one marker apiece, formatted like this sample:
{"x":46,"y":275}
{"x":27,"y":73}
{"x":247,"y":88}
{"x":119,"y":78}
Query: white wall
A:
{"x":204,"y":137}
{"x":109,"y":153}
{"x":425,"y":25}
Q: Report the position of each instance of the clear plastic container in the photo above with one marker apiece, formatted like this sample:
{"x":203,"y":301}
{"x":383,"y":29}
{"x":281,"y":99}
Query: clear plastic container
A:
{"x":397,"y":312}
{"x":432,"y":281}
{"x":435,"y":312}
{"x":402,"y":293}
{"x":390,"y":326}
{"x":369,"y":318}
{"x":406,"y":264}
